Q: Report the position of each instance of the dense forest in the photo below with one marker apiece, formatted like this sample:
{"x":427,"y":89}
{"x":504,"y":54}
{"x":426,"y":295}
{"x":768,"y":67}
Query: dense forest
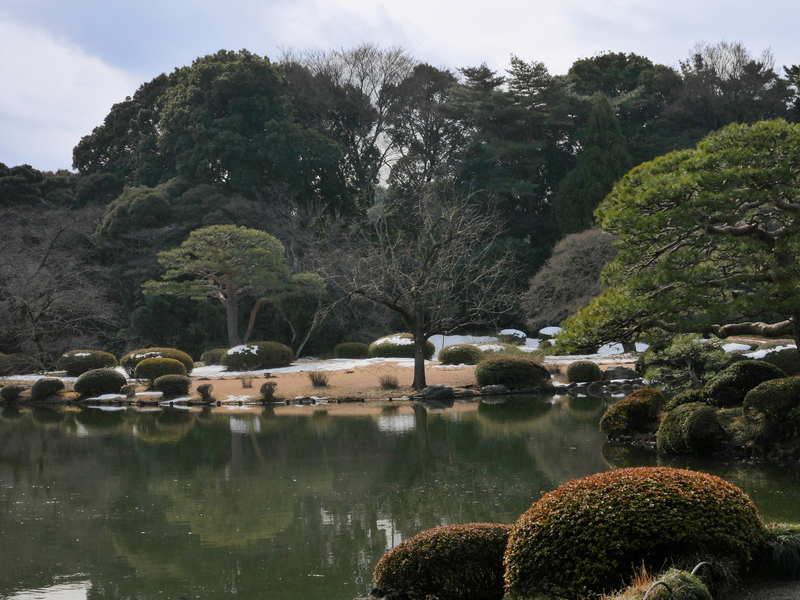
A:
{"x":308,"y":148}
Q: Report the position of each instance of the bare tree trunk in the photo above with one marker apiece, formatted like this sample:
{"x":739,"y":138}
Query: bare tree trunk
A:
{"x":419,"y":359}
{"x":232,"y":311}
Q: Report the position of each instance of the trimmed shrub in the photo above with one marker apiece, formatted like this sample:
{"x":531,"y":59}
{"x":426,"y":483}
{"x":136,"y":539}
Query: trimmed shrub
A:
{"x":100,"y":381}
{"x":515,"y":337}
{"x":130,"y":360}
{"x":258,"y":355}
{"x":268,"y":391}
{"x":213,"y":356}
{"x":77,"y":362}
{"x":351,"y":350}
{"x":11,"y":392}
{"x":461,"y":354}
{"x":637,"y":412}
{"x":399,"y":345}
{"x":583,"y":370}
{"x":685,"y":398}
{"x":691,"y":428}
{"x":514,"y":373}
{"x":729,"y":387}
{"x":46,"y":387}
{"x":16,"y":364}
{"x":582,"y":538}
{"x":786,"y":359}
{"x":456,"y":562}
{"x":151,"y":369}
{"x":172,"y":385}
{"x":204,"y":391}
{"x":775,"y":399}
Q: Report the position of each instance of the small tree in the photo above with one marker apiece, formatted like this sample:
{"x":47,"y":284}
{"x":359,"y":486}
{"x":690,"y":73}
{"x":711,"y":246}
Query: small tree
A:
{"x":435,"y":264}
{"x":227,"y":263}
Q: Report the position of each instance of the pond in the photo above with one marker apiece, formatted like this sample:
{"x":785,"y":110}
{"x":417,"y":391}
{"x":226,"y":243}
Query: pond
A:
{"x":287,"y":502}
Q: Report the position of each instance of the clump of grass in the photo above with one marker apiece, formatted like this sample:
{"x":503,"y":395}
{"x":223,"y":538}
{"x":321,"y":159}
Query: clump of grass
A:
{"x":247,"y":381}
{"x":781,"y":560}
{"x":389,"y":382}
{"x":319,"y":378}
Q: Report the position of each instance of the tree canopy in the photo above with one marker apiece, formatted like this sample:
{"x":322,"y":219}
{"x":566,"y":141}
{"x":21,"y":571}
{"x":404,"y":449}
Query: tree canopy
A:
{"x":708,"y":242}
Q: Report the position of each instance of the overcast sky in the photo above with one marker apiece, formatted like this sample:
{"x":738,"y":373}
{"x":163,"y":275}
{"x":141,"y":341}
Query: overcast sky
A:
{"x":65,"y":62}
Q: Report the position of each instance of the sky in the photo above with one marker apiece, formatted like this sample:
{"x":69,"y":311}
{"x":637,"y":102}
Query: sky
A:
{"x":64,"y":63}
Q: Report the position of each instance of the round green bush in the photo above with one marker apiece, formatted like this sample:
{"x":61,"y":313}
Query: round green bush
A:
{"x":786,"y":359}
{"x":130,"y":360}
{"x":172,"y":385}
{"x":685,"y":397}
{"x":691,"y":428}
{"x":258,"y":355}
{"x":775,"y":399}
{"x":514,"y":373}
{"x":213,"y":356}
{"x":637,"y":412}
{"x":584,"y":537}
{"x":100,"y":381}
{"x":729,"y":387}
{"x":77,"y":362}
{"x":10,"y":393}
{"x":461,"y":354}
{"x":151,"y":369}
{"x":351,"y":350}
{"x":583,"y":370}
{"x":46,"y":387}
{"x":456,"y":562}
{"x":399,"y":345}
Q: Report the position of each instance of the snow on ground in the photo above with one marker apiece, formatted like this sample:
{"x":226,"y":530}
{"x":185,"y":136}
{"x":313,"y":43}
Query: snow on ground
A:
{"x":762,"y":353}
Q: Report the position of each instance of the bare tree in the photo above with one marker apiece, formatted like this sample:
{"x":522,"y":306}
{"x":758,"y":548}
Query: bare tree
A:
{"x":435,"y":263}
{"x":51,"y":298}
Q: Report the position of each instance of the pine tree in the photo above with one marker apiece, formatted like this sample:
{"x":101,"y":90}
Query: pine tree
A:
{"x":603,"y":160}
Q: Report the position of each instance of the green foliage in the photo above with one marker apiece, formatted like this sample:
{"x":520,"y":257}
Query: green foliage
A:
{"x":257,"y":355}
{"x":461,"y":354}
{"x":455,"y":562}
{"x":395,"y":346}
{"x":99,"y":381}
{"x":786,"y":359}
{"x":637,"y":412}
{"x":584,"y":370}
{"x":10,"y":393}
{"x":775,"y":399}
{"x":685,"y":361}
{"x":132,"y":359}
{"x":585,"y":536}
{"x":76,"y":362}
{"x":151,"y":369}
{"x":351,"y":350}
{"x":685,"y":397}
{"x":691,"y":428}
{"x":514,"y":373}
{"x":781,"y":556}
{"x":730,"y":387}
{"x":46,"y":387}
{"x":682,"y":585}
{"x":213,"y":356}
{"x":513,"y":337}
{"x":687,"y":217}
{"x":171,"y":384}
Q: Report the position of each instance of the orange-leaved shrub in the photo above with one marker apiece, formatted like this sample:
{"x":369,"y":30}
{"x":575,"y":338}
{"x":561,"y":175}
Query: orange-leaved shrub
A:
{"x":635,"y":413}
{"x":585,"y":537}
{"x":455,"y":562}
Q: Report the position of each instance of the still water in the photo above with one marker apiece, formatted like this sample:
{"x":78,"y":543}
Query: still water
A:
{"x":285,"y":503}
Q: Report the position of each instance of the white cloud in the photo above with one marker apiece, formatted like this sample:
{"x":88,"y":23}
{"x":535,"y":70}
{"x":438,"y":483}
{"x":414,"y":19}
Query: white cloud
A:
{"x":53,"y":93}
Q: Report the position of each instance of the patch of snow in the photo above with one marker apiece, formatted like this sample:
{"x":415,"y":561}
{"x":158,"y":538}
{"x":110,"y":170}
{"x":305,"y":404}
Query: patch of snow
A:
{"x":81,"y":354}
{"x":490,"y":347}
{"x":156,"y":354}
{"x":149,"y":394}
{"x":734,"y":346}
{"x":109,"y":397}
{"x":758,"y":354}
{"x":514,"y":332}
{"x":550,"y":331}
{"x":243,"y":349}
{"x":396,"y":340}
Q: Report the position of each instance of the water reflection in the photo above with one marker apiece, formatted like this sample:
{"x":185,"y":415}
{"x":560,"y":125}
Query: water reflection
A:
{"x":283,"y":502}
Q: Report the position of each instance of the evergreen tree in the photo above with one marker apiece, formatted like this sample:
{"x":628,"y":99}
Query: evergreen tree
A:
{"x":603,"y":160}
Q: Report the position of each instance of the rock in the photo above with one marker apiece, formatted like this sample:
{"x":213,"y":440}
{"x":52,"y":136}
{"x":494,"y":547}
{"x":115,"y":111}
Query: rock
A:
{"x":595,"y":388}
{"x":435,"y":392}
{"x":462,"y":393}
{"x":619,"y":373}
{"x":494,"y":390}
